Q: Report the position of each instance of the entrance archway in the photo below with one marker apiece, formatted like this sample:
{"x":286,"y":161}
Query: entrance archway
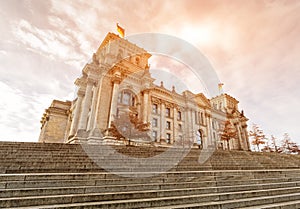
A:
{"x":199,"y":139}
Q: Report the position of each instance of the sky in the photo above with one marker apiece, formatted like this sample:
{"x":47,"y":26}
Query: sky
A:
{"x":254,"y":47}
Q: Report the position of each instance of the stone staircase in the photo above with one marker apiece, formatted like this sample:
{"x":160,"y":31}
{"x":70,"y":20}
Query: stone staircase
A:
{"x":36,"y":175}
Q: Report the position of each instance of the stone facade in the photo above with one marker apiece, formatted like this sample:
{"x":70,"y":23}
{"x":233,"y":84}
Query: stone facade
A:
{"x":118,"y":101}
{"x":55,"y":123}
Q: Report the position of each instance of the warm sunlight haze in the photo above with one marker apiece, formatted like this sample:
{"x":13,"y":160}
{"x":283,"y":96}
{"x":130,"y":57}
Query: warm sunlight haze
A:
{"x":253,"y":46}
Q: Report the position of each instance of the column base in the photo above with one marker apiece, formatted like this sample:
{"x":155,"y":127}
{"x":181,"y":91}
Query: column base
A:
{"x":110,"y":140}
{"x":96,"y":132}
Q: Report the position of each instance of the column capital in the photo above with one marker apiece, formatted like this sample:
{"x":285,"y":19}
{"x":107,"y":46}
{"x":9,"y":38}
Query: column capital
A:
{"x":79,"y":82}
{"x":90,"y":69}
{"x":80,"y":92}
{"x":244,"y":126}
{"x":208,"y":115}
{"x":146,"y":91}
{"x":91,"y":81}
{"x":116,"y":80}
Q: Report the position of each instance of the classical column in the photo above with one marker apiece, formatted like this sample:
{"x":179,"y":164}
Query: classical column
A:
{"x":246,"y":139}
{"x":162,"y":121}
{"x":93,"y":108}
{"x":235,"y":141}
{"x":114,"y":100}
{"x":209,"y":130}
{"x":76,"y":114}
{"x":186,"y":126}
{"x":240,"y":140}
{"x":175,"y":125}
{"x":86,"y":104}
{"x":96,"y":119}
{"x":145,"y":106}
{"x":193,"y":131}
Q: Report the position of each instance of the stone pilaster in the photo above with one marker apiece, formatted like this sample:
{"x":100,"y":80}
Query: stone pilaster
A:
{"x":186,"y":132}
{"x":193,"y":124}
{"x":246,"y":139}
{"x":86,"y":104}
{"x":236,"y":141}
{"x":93,"y":108}
{"x":114,"y":100}
{"x":162,"y":121}
{"x":209,"y":129}
{"x":95,"y":123}
{"x":145,"y":106}
{"x":241,"y":142}
{"x":76,"y":114}
{"x":175,"y":125}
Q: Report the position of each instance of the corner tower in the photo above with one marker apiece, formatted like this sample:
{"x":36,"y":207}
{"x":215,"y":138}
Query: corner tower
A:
{"x":117,"y":70}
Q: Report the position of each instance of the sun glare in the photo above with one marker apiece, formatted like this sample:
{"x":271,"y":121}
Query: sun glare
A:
{"x":201,"y":35}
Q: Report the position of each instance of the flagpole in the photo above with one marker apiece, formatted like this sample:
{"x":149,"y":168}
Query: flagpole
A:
{"x":220,"y":85}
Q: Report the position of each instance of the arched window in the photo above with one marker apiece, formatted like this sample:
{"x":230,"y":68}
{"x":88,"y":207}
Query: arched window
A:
{"x":137,"y":60}
{"x":126,"y":97}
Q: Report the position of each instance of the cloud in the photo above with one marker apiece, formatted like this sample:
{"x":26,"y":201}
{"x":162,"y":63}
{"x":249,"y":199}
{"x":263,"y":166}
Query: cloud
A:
{"x":47,"y":42}
{"x":20,"y":113}
{"x":3,"y":52}
{"x":175,"y":73}
{"x":254,"y":47}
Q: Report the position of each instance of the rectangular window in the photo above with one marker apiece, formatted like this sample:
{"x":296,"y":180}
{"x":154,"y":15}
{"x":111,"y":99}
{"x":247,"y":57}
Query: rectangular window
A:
{"x":179,"y":127}
{"x":196,"y":117}
{"x":180,"y":138}
{"x":168,"y":138}
{"x":154,"y":135}
{"x":126,"y":98}
{"x":168,"y":112}
{"x":118,"y":113}
{"x":220,"y":105}
{"x":168,"y":125}
{"x":154,"y":108}
{"x":178,"y":115}
{"x":154,"y":122}
{"x":120,"y":98}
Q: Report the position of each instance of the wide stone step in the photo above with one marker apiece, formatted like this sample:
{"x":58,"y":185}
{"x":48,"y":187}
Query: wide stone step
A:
{"x":217,"y":175}
{"x":283,"y":205}
{"x":275,"y":202}
{"x":88,"y":163}
{"x":203,"y":182}
{"x":220,"y":175}
{"x":103,"y":188}
{"x":187,"y":201}
{"x":99,"y":182}
{"x":139,"y":187}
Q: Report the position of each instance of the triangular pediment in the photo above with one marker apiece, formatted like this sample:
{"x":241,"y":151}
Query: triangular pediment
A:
{"x":202,"y":100}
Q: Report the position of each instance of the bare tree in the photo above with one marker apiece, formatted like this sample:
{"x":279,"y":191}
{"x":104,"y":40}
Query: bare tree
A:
{"x":288,"y":146}
{"x":228,"y":133}
{"x":268,"y":146}
{"x":274,"y":143}
{"x":257,"y":135}
{"x":129,"y":127}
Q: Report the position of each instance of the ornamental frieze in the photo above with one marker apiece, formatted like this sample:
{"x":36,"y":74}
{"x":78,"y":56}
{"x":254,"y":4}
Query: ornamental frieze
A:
{"x":155,"y":100}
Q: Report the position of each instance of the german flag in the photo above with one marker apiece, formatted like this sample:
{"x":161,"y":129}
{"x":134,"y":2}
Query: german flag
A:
{"x":220,"y":85}
{"x":120,"y":30}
